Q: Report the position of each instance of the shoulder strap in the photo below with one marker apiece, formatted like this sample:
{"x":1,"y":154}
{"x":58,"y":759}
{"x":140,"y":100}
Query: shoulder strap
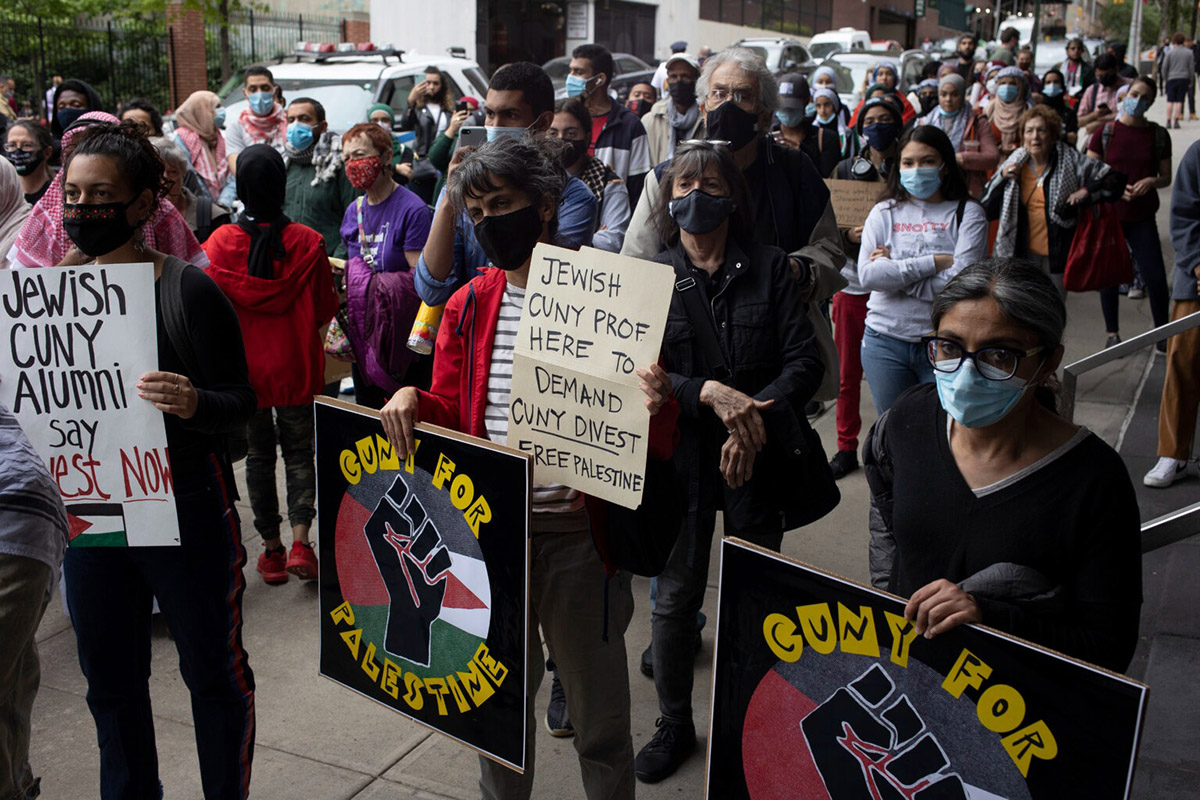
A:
{"x":1105,"y":137}
{"x":174,"y":316}
{"x":843,"y":169}
{"x":958,"y":213}
{"x":700,"y":316}
{"x":1161,"y":141}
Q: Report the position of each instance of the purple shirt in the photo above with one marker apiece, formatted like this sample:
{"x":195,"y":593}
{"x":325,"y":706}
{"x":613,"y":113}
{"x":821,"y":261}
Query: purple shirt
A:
{"x":399,"y":223}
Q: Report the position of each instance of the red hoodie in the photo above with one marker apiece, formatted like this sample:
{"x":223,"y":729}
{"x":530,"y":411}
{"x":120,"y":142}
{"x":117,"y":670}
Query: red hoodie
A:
{"x":280,"y":318}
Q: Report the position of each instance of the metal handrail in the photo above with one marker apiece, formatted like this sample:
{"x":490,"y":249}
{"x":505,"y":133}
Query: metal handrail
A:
{"x":1176,"y":525}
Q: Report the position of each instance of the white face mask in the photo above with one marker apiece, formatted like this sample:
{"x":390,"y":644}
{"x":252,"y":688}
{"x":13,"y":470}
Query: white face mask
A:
{"x":991,"y":86}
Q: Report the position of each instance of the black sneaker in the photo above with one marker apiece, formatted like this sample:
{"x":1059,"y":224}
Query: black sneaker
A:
{"x":814,"y":409}
{"x":1112,"y":341}
{"x":648,"y":661}
{"x":843,"y":463}
{"x":666,"y":752}
{"x":557,"y":721}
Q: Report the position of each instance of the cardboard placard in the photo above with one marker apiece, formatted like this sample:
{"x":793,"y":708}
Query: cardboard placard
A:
{"x":76,"y":342}
{"x":822,"y":690}
{"x":591,"y":319}
{"x":852,"y":200}
{"x":424,"y":587}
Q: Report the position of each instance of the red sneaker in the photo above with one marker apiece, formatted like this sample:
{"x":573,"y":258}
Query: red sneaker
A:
{"x":272,"y":567}
{"x":302,"y":561}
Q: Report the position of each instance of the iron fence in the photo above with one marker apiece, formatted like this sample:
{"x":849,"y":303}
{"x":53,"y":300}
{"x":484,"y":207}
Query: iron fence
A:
{"x":256,"y":37}
{"x":120,"y":58}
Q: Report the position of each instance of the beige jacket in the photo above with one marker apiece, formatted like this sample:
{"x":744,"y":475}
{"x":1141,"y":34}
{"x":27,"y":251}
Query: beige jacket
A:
{"x":657,"y":123}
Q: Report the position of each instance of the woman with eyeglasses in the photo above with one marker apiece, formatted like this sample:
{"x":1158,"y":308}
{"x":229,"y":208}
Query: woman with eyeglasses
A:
{"x":924,"y":230}
{"x":28,"y":146}
{"x":987,"y":506}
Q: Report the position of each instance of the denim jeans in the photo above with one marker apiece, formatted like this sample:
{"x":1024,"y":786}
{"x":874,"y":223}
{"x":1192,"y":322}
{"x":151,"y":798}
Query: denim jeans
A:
{"x":892,"y":366}
{"x":292,"y":428}
{"x":1143,"y":240}
{"x":25,"y":586}
{"x":199,"y":587}
{"x":681,"y":589}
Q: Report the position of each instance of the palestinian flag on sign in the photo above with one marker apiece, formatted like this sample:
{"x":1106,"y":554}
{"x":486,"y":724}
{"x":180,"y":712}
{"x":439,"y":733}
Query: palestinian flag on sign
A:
{"x":96,"y":525}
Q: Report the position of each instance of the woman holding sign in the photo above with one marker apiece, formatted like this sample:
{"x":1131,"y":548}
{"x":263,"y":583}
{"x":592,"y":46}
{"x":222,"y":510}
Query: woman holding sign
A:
{"x":986,"y":505}
{"x":113,"y":183}
{"x":743,"y":361}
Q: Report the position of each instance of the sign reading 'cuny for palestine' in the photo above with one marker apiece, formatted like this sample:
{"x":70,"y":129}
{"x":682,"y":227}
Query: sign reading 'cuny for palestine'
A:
{"x":76,"y":342}
{"x":591,"y":320}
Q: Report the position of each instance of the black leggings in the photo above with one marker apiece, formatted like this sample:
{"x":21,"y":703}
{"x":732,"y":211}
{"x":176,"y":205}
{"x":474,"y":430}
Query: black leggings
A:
{"x":1147,"y":252}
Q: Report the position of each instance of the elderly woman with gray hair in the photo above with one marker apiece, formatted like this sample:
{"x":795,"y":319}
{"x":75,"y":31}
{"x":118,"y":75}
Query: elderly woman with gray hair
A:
{"x":201,"y":213}
{"x":969,"y":131}
{"x":986,"y":505}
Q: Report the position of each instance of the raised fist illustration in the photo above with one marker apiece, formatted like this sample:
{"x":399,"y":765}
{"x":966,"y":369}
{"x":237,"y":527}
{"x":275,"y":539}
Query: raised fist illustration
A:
{"x":869,"y":744}
{"x":414,"y":563}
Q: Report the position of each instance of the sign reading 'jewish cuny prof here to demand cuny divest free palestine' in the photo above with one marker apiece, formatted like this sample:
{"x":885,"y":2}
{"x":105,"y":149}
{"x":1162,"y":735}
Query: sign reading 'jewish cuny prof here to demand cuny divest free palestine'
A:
{"x":591,"y":320}
{"x":76,"y":342}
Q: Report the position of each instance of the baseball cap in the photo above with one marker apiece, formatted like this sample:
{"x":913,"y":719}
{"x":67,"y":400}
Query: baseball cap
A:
{"x":687,"y":58}
{"x":793,"y":91}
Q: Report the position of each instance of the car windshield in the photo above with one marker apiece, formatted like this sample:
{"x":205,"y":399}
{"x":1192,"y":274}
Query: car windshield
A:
{"x":345,"y":103}
{"x":767,"y":54}
{"x":851,"y":71}
{"x":1049,"y":54}
{"x":825,"y":49}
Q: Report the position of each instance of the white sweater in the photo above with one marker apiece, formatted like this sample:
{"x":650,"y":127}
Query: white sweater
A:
{"x":904,"y":284}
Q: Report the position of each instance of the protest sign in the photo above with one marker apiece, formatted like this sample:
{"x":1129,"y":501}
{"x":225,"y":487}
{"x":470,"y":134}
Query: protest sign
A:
{"x":591,"y":319}
{"x":423,"y":586}
{"x":822,"y":690}
{"x":76,"y":342}
{"x":853,"y":200}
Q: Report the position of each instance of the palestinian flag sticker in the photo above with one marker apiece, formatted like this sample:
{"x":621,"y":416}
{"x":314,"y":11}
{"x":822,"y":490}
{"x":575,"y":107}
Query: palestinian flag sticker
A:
{"x":96,"y":525}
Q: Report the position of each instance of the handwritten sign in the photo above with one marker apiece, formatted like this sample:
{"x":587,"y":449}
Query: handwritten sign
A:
{"x":76,"y":341}
{"x":853,"y":200}
{"x":591,"y":319}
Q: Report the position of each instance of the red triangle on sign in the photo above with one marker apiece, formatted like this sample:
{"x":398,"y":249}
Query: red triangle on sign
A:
{"x":458,"y":595}
{"x":76,"y":525}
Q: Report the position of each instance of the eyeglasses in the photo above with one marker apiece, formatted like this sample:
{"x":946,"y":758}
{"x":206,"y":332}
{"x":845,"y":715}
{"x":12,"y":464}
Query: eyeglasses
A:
{"x":993,"y":363}
{"x":739,"y":96}
{"x":27,"y":147}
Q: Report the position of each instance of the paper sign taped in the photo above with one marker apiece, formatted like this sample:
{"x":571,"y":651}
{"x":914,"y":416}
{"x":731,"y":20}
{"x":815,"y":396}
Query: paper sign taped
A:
{"x":853,"y":200}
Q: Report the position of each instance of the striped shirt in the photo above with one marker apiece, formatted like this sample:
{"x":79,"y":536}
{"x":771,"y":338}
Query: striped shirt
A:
{"x":552,"y":497}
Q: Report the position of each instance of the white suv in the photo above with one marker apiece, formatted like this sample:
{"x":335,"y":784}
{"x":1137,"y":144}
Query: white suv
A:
{"x":349,"y":83}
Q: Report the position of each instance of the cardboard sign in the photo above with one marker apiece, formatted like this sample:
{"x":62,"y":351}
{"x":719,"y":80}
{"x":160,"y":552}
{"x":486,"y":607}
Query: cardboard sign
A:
{"x":424,"y":589}
{"x":591,"y":319}
{"x":853,"y":200}
{"x":822,"y":690}
{"x":76,"y":342}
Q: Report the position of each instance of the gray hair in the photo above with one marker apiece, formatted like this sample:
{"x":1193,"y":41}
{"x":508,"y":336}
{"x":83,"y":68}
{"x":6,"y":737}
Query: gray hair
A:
{"x":748,"y":61}
{"x":171,"y":153}
{"x":1022,"y":291}
{"x":531,"y":164}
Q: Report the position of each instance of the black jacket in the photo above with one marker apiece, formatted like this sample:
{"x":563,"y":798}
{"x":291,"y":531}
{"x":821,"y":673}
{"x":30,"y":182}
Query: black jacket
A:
{"x":769,"y":345}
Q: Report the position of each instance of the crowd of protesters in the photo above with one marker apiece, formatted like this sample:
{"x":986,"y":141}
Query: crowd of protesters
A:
{"x":948,"y":298}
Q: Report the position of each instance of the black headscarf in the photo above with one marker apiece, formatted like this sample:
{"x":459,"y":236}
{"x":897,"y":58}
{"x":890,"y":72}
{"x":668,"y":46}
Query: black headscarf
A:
{"x":72,"y":85}
{"x":261,"y":186}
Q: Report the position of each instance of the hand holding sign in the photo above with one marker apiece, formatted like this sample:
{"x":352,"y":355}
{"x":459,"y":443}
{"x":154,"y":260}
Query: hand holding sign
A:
{"x":170,"y":393}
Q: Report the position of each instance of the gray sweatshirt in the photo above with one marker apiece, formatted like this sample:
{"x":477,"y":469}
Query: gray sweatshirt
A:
{"x":1178,"y":63}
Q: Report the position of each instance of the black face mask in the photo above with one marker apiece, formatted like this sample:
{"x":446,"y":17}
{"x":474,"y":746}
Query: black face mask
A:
{"x":575,"y":149}
{"x":683,"y":93}
{"x":65,"y":116}
{"x":1108,"y":80}
{"x":700,"y":212}
{"x":24,"y":162}
{"x":97,"y":228}
{"x":640,"y":107}
{"x":731,"y":123}
{"x":508,"y":239}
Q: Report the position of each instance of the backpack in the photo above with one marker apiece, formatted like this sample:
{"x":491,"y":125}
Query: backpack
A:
{"x":1162,"y":141}
{"x":391,"y":306}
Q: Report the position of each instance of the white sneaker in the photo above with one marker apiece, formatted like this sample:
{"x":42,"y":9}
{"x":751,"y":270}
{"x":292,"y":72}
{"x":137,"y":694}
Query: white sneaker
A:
{"x":1165,"y":472}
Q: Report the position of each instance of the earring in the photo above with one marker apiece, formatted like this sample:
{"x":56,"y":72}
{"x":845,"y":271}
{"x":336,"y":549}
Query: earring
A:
{"x":139,"y":242}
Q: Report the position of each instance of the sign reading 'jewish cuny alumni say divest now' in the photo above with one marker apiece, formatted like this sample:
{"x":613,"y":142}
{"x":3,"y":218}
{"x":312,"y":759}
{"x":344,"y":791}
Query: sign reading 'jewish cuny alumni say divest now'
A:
{"x":423,"y":584}
{"x":822,"y":690}
{"x":76,"y":342}
{"x":591,"y":319}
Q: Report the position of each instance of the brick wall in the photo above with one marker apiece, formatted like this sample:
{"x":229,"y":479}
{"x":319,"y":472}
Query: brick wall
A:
{"x":356,"y":27}
{"x":189,"y":61}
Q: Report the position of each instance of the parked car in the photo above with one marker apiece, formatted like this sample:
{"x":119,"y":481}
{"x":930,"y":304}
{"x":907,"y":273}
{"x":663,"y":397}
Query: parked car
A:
{"x":348,"y":83}
{"x":851,"y":70}
{"x":843,"y":40}
{"x":885,"y":46}
{"x":781,"y":53}
{"x":630,"y":70}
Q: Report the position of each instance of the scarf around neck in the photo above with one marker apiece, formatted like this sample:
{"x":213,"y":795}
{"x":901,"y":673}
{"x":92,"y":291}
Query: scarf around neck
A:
{"x":325,"y":154}
{"x":271,"y":129}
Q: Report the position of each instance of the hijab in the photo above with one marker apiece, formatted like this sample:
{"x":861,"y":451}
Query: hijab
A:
{"x":198,"y":114}
{"x":72,"y":85}
{"x":195,"y":124}
{"x":13,"y":208}
{"x":832,"y":96}
{"x":954,"y":127}
{"x":1007,"y":116}
{"x":261,"y":186}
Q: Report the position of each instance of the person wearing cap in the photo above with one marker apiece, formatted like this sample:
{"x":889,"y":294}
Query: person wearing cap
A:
{"x":881,"y":120}
{"x":796,"y":116}
{"x":969,"y":132}
{"x":659,"y":81}
{"x":676,"y":117}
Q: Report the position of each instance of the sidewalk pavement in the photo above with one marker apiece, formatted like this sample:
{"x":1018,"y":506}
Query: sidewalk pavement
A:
{"x":318,"y":740}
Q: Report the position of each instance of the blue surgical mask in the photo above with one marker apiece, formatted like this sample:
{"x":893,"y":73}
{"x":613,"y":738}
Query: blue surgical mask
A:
{"x":790,"y":117}
{"x":300,"y":135}
{"x":576,"y":85}
{"x":810,"y":110}
{"x":921,"y":182}
{"x":219,"y":117}
{"x":1135,"y":106}
{"x":1007,"y":93}
{"x":950,"y":114}
{"x":975,"y":401}
{"x":495,"y":132}
{"x":1052,"y":89}
{"x":823,"y":122}
{"x":262,"y":103}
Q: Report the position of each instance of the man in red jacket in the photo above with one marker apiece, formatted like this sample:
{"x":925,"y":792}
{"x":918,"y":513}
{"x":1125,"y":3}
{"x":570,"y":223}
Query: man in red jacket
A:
{"x":510,"y":189}
{"x":277,"y":275}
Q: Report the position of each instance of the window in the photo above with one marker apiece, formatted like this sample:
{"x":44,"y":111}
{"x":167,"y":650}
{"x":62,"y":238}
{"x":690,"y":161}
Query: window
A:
{"x":794,"y":17}
{"x":627,"y":65}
